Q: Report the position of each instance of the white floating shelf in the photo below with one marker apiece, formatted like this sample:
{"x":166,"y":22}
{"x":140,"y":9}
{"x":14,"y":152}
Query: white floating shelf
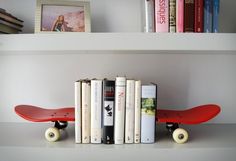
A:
{"x":170,"y":42}
{"x":25,"y":141}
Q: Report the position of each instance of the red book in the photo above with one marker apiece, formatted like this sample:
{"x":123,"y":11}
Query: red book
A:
{"x":189,"y":16}
{"x":199,"y":21}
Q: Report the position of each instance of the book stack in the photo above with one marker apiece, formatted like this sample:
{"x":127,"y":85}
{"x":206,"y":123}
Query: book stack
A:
{"x":9,"y":24}
{"x":115,"y":111}
{"x":182,"y":16}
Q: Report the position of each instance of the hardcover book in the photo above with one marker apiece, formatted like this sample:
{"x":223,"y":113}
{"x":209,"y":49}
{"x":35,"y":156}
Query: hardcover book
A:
{"x":86,"y":111}
{"x":216,"y":10}
{"x":208,"y":16}
{"x":189,"y":16}
{"x":108,"y":111}
{"x":137,"y":111}
{"x":148,"y":113}
{"x":78,"y":94}
{"x":149,"y":16}
{"x":172,"y":15}
{"x":129,"y":112}
{"x":9,"y":18}
{"x":96,"y":111}
{"x":180,"y":16}
{"x":120,"y":109}
{"x":199,"y":9}
{"x":162,"y":15}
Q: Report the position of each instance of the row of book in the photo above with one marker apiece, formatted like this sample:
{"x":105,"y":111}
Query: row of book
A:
{"x":182,"y":16}
{"x":9,"y":24}
{"x":115,"y":111}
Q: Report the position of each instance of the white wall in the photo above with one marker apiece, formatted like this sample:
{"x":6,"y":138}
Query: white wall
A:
{"x":184,"y":80}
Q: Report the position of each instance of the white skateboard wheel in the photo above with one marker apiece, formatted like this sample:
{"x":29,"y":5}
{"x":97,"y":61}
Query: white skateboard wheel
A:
{"x":180,"y":136}
{"x":52,"y":134}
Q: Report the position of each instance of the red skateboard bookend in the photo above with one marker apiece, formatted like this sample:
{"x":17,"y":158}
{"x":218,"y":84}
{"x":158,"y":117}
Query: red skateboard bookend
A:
{"x":172,"y":118}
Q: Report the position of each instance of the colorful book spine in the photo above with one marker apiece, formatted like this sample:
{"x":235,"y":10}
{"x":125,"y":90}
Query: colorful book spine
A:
{"x":162,"y":15}
{"x":129,"y":112}
{"x":108,"y":111}
{"x":216,"y":10}
{"x":172,"y":15}
{"x":137,"y":111}
{"x":78,"y":112}
{"x":148,"y":113}
{"x":119,"y":109}
{"x":86,"y":111}
{"x":199,"y":9}
{"x":149,"y":16}
{"x":189,"y":15}
{"x":208,"y":16}
{"x":96,"y":111}
{"x":180,"y":16}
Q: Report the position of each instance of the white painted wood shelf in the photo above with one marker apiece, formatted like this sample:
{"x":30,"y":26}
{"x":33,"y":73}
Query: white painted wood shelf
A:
{"x":170,"y":42}
{"x":25,"y":142}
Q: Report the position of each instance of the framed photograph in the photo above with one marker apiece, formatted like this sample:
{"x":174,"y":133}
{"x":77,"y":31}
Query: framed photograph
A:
{"x":62,"y":16}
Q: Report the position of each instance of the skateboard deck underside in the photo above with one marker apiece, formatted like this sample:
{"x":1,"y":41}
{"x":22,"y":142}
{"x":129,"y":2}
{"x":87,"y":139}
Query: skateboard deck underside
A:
{"x":37,"y":114}
{"x":194,"y":115}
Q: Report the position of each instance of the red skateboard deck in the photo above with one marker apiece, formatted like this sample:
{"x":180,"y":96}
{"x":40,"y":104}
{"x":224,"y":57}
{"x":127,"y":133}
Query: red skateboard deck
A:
{"x":37,"y":114}
{"x":195,"y":115}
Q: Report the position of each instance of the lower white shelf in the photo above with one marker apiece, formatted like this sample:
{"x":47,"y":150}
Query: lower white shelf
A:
{"x":25,"y":141}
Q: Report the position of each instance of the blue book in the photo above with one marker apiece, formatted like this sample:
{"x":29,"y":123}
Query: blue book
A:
{"x":216,"y":9}
{"x":208,"y":15}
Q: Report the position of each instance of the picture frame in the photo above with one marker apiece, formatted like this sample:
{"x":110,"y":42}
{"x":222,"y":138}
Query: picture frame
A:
{"x":62,"y":16}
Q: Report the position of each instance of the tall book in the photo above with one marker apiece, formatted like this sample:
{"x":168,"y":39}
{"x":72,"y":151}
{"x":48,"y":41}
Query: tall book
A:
{"x":148,"y":120}
{"x":189,"y":15}
{"x":216,"y":10}
{"x":149,"y":16}
{"x":172,"y":15}
{"x":108,"y":111}
{"x":199,"y":10}
{"x":96,"y":111}
{"x":129,"y":111}
{"x":119,"y":109}
{"x":162,"y":15}
{"x":180,"y":16}
{"x":137,"y":111}
{"x":78,"y":94}
{"x":86,"y":111}
{"x":208,"y":16}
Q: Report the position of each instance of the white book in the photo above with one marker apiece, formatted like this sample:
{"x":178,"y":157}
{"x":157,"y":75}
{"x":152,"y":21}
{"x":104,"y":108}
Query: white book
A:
{"x":129,"y":112}
{"x":86,"y":111}
{"x":96,"y":111}
{"x":137,"y":111}
{"x":119,"y":110}
{"x":149,"y":16}
{"x":77,"y":112}
{"x":148,"y":113}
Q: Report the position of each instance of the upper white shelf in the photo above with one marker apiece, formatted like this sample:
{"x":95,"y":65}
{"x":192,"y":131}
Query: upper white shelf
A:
{"x":119,"y":41}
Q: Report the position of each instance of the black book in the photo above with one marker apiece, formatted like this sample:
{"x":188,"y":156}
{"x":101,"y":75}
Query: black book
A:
{"x":108,"y":111}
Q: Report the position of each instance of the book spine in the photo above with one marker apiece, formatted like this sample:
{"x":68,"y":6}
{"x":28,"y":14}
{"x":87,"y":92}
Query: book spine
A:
{"x":189,"y":15}
{"x":86,"y":111}
{"x":162,"y":15}
{"x":148,"y":122}
{"x":78,"y":112}
{"x":129,"y":112}
{"x":199,"y":9}
{"x":216,"y":10}
{"x":149,"y":16}
{"x":119,"y":109}
{"x":96,"y":111}
{"x":172,"y":15}
{"x":208,"y":16}
{"x":180,"y":16}
{"x":108,"y":111}
{"x":137,"y":111}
